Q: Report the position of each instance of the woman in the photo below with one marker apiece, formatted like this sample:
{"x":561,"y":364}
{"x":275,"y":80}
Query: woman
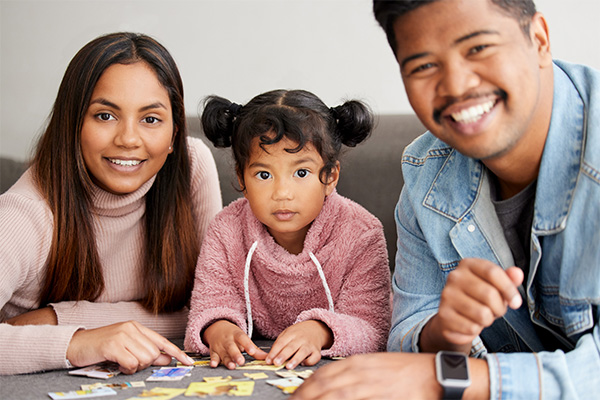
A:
{"x":106,"y":225}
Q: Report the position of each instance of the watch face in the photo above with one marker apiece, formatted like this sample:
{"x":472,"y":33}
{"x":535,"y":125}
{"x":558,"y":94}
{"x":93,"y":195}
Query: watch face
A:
{"x":454,"y":366}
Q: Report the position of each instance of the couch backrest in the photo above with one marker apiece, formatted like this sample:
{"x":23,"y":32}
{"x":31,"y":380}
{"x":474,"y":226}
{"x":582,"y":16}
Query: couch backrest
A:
{"x":370,"y":173}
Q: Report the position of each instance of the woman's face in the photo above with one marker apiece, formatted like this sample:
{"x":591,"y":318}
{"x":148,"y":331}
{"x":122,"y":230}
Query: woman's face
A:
{"x":128,"y":128}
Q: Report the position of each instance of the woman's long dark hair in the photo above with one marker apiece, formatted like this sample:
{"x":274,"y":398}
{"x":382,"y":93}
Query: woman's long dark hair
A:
{"x":74,"y":270}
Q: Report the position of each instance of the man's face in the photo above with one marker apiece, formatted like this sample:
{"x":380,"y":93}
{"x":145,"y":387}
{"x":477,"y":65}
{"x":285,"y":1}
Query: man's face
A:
{"x":473,"y":77}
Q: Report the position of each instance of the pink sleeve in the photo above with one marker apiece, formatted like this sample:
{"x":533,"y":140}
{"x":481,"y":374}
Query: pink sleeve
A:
{"x":215,"y":296}
{"x":362,"y":312}
{"x":25,"y":236}
{"x":94,"y":315}
{"x":33,"y":348}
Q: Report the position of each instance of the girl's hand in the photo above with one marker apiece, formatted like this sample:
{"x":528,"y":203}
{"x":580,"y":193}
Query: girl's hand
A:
{"x":300,"y":343}
{"x":130,"y":344}
{"x":41,"y":316}
{"x":226,"y":342}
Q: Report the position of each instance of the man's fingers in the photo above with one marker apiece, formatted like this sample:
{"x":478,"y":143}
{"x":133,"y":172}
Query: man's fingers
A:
{"x":516,"y":276}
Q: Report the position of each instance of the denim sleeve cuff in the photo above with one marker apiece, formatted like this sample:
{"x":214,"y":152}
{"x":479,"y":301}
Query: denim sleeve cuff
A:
{"x":416,"y":334}
{"x":477,"y":347}
{"x":514,"y":376}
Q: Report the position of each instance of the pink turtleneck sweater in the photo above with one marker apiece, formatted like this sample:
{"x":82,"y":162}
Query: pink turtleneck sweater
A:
{"x":26,"y":228}
{"x":346,"y":241}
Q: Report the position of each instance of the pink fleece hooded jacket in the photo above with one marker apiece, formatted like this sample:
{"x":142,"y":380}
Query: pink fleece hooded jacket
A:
{"x":345,"y":241}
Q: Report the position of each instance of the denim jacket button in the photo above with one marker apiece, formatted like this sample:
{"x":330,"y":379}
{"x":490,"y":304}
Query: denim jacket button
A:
{"x":471,"y":228}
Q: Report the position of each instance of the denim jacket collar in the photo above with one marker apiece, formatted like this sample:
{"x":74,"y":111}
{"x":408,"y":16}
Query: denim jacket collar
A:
{"x":561,"y":158}
{"x":560,"y":164}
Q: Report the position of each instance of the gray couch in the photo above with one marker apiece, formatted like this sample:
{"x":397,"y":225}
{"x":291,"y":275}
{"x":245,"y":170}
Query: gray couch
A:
{"x":370,"y":173}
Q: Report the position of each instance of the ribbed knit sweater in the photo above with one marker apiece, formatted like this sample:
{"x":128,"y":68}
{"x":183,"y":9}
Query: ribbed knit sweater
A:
{"x":26,"y":227}
{"x":284,"y":289}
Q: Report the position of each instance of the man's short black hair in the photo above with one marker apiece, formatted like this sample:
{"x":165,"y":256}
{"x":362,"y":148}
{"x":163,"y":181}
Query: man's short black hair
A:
{"x":387,"y":12}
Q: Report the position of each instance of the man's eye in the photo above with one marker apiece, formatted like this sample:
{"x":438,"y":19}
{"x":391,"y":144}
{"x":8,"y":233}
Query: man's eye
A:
{"x":301,"y":173}
{"x":423,"y":67}
{"x":478,"y":49}
{"x":263,"y":175}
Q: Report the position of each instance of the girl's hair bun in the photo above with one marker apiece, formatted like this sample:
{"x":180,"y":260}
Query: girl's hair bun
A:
{"x":218,"y":119}
{"x":354,"y":121}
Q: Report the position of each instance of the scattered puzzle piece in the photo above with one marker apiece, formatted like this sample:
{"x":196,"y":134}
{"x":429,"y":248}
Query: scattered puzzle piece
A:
{"x":256,"y":375}
{"x":82,"y":394}
{"x":158,"y":393}
{"x":170,"y":374}
{"x":260,"y":365}
{"x":287,"y":385}
{"x":232,"y":388}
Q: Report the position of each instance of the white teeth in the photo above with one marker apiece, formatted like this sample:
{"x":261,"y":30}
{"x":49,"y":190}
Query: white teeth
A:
{"x":472,"y":114}
{"x":125,"y":163}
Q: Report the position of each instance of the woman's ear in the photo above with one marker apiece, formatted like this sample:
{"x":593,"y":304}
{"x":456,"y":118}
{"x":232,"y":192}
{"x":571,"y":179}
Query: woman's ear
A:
{"x":333,"y":179}
{"x":175,"y":132}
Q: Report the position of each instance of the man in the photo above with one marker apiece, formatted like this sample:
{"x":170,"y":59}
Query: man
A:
{"x":499,"y":219}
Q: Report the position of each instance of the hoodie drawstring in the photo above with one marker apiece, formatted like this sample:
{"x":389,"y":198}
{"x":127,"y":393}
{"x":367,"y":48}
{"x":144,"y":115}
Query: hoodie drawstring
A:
{"x":247,"y":290}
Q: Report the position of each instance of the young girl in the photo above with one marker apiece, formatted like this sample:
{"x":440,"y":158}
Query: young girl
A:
{"x":106,"y":225}
{"x":293,"y":259}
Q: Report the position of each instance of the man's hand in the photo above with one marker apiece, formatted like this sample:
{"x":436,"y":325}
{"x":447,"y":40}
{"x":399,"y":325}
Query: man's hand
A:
{"x":130,"y":344}
{"x":476,"y":293}
{"x":386,"y":376}
{"x":374,"y":376}
{"x":226,"y":342}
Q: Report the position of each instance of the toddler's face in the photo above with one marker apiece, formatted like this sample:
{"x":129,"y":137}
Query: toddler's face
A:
{"x":284,"y":190}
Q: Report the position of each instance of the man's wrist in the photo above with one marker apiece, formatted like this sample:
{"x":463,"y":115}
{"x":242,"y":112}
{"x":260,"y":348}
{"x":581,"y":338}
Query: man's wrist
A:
{"x":452,"y":373}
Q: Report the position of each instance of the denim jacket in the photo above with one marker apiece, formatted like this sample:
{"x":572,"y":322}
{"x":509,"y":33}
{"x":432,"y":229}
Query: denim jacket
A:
{"x":445,"y":214}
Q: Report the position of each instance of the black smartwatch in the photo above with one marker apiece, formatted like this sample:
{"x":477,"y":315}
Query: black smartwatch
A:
{"x":452,"y":372}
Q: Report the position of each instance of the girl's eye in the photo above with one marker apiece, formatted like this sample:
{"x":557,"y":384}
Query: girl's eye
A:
{"x":104,"y":116}
{"x":151,"y":120}
{"x":302,"y":173}
{"x":263,"y":175}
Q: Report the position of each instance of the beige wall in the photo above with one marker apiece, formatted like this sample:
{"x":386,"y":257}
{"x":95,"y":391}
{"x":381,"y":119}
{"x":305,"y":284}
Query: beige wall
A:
{"x":234,"y":48}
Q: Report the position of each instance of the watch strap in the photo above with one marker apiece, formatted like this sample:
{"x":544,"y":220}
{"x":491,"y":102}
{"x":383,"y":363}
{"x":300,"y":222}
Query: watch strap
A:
{"x":453,"y":393}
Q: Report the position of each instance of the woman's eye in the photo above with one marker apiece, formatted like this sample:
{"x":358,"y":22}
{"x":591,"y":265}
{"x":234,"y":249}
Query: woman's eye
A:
{"x":104,"y":116}
{"x":263,"y":175}
{"x":151,"y":120}
{"x":302,"y":173}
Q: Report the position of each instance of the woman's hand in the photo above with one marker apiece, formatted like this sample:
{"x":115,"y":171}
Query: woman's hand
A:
{"x":41,"y":316}
{"x":130,"y":344}
{"x":300,"y":343}
{"x":226,"y":342}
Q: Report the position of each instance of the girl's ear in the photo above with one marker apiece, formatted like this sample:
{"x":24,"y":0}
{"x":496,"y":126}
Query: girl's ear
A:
{"x":241,"y":183}
{"x":333,"y":179}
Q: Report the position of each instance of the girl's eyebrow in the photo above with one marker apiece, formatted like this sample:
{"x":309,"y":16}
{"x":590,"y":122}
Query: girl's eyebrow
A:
{"x":305,"y":160}
{"x":297,"y":162}
{"x":109,"y":103}
{"x":257,"y":165}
